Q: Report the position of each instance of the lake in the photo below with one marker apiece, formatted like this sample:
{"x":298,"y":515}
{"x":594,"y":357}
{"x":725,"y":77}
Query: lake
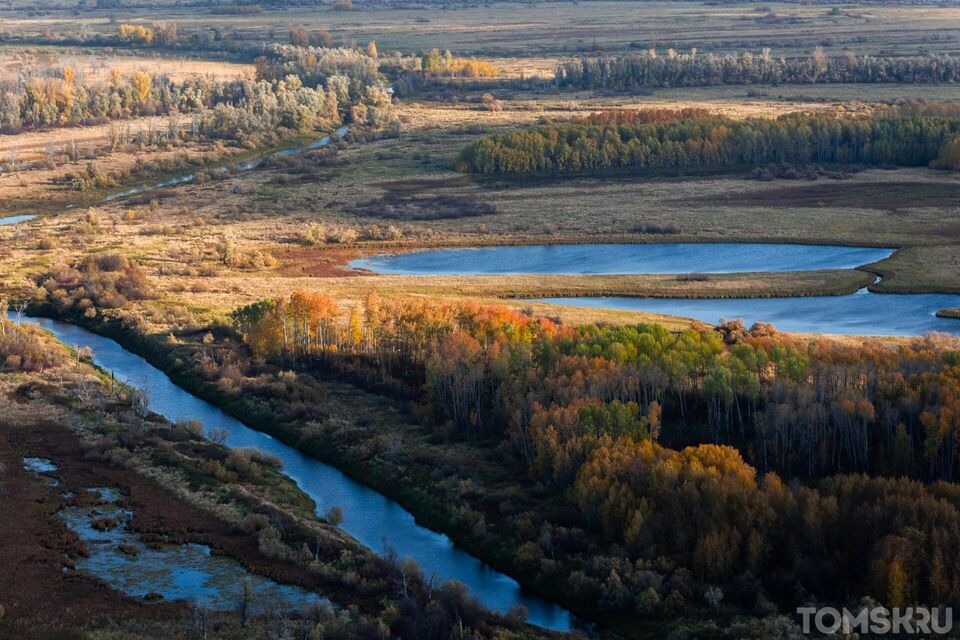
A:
{"x":597,"y":259}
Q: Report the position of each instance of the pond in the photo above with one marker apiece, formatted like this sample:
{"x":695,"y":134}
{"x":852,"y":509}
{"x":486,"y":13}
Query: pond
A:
{"x":597,"y":259}
{"x":861,"y":313}
{"x":374,"y":520}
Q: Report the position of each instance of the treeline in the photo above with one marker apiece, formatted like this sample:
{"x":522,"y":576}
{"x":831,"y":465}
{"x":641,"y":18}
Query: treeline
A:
{"x":297,"y":89}
{"x":603,"y":415}
{"x":633,"y":141}
{"x":798,"y":407}
{"x":650,"y":69}
{"x":349,"y":75}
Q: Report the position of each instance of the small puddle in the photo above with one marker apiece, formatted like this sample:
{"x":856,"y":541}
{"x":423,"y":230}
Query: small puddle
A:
{"x":16,"y":219}
{"x":41,"y":467}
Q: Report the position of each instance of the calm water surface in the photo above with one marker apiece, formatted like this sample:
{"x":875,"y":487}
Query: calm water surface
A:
{"x":861,"y":313}
{"x":572,"y":259}
{"x":16,"y":219}
{"x":175,"y":572}
{"x":371,"y":518}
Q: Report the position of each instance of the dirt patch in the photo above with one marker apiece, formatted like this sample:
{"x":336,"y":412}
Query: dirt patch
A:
{"x":413,"y":186}
{"x":394,"y":206}
{"x":318,"y":262}
{"x":885,"y":196}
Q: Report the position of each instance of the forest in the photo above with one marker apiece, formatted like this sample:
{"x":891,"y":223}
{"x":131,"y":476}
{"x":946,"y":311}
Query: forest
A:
{"x":693,"y":69}
{"x":647,"y":431}
{"x":643,"y":140}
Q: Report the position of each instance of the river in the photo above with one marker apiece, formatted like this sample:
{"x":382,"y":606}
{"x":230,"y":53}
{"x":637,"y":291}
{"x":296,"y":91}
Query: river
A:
{"x":374,"y":520}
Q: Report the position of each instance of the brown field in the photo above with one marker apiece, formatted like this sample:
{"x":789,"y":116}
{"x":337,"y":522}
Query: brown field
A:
{"x":507,"y":29}
{"x":35,"y":146}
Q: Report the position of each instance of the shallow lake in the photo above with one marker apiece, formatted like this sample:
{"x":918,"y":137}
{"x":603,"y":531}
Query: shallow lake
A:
{"x":861,"y":313}
{"x":598,"y":259}
{"x":368,"y":516}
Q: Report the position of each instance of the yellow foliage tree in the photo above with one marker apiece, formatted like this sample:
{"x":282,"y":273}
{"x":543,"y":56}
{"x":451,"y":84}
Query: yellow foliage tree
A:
{"x":135,"y":33}
{"x":142,"y":82}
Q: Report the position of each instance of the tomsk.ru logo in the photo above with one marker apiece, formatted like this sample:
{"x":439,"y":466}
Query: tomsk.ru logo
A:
{"x":878,"y":621}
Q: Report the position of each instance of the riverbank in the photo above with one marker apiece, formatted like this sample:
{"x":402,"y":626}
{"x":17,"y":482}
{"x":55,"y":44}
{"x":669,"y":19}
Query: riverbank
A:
{"x":436,"y":512}
{"x":161,"y":474}
{"x":265,"y":521}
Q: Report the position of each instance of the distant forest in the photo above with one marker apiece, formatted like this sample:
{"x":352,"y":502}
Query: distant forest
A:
{"x":651,"y":69}
{"x":663,"y":139}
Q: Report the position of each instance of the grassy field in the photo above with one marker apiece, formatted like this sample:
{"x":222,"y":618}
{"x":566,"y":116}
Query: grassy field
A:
{"x":94,"y":63}
{"x":402,"y":192}
{"x":556,"y":28}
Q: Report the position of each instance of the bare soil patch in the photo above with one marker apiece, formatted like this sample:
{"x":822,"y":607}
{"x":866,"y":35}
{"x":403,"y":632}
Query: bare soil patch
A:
{"x":318,"y":262}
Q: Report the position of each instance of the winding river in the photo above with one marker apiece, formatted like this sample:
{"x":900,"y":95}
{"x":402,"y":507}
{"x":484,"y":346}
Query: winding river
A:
{"x":380,"y":523}
{"x":241,"y":166}
{"x":374,"y":520}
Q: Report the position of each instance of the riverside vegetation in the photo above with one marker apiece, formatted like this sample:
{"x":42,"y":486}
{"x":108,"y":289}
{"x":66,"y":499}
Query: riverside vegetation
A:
{"x":234,"y":500}
{"x":637,"y":429}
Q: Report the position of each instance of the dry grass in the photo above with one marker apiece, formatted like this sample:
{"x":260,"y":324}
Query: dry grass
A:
{"x":558,"y":29}
{"x":95,"y":65}
{"x":36,"y":146}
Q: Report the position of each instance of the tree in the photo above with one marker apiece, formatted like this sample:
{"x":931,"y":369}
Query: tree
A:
{"x":299,"y":36}
{"x":142,"y":82}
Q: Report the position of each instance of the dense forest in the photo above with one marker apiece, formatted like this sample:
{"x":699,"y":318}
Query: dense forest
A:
{"x":299,"y":89}
{"x":673,"y":445}
{"x":650,"y":69}
{"x":659,"y":139}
